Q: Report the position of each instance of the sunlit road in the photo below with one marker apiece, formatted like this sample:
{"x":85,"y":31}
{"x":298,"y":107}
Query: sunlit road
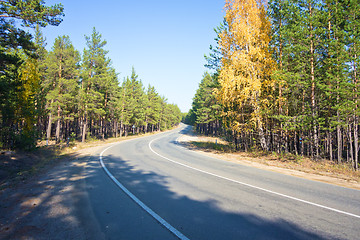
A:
{"x":153,"y":188}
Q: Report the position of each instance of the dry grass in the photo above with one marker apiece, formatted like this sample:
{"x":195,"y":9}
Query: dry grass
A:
{"x":289,"y":161}
{"x":321,"y":167}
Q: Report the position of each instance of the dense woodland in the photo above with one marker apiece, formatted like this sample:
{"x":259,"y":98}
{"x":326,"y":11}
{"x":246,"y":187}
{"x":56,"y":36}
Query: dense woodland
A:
{"x":286,"y":79}
{"x":62,"y":94}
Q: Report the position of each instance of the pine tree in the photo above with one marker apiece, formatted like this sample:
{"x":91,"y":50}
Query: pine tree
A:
{"x":61,"y":84}
{"x":215,"y":56}
{"x":125,"y":106}
{"x":31,"y":12}
{"x":299,"y":49}
{"x":153,"y":108}
{"x":14,"y":43}
{"x":94,"y":74}
{"x":352,"y":26}
{"x":164,"y":114}
{"x":111,"y":103}
{"x":174,"y":115}
{"x":206,"y":108}
{"x":138,"y":101}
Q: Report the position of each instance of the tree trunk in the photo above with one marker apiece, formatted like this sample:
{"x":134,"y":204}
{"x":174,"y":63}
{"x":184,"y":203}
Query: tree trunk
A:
{"x":116,"y":126}
{"x":329,"y":139}
{"x":263,"y":143}
{"x":356,"y":119}
{"x":351,"y":151}
{"x":85,"y":122}
{"x":48,"y":129}
{"x":102,"y":128}
{"x":356,"y":144}
{"x":58,"y":126}
{"x":121,"y":128}
{"x":339,"y":143}
{"x":286,"y":141}
{"x":301,"y":141}
{"x":295,"y":144}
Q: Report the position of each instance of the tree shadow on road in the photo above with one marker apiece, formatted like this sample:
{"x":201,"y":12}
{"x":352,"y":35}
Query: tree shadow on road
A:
{"x":70,"y":201}
{"x":196,"y":219}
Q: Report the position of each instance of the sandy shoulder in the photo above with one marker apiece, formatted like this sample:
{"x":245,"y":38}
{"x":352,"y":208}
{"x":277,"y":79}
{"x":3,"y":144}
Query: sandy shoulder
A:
{"x":46,"y":206}
{"x":262,"y":164}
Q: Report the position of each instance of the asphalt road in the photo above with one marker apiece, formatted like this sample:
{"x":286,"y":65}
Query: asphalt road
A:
{"x":153,"y":188}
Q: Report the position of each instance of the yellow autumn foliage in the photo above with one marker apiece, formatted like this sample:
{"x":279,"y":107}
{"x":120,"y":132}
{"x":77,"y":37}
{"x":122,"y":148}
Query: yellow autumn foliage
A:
{"x":246,"y":64}
{"x":30,"y":78}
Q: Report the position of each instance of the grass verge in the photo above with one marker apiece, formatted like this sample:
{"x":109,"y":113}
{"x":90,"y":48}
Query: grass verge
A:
{"x":290,"y":161}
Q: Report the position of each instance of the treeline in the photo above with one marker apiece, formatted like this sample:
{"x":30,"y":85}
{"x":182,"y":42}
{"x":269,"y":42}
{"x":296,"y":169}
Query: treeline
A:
{"x":286,"y":78}
{"x":61,"y":94}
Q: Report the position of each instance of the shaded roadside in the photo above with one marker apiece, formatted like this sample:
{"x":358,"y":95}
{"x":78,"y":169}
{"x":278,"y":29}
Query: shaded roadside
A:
{"x":16,"y":167}
{"x":43,"y":206}
{"x":19,"y":166}
{"x":43,"y":193}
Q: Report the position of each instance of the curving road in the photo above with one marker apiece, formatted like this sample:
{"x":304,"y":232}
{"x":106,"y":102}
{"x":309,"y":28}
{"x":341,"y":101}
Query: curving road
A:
{"x":152,"y":188}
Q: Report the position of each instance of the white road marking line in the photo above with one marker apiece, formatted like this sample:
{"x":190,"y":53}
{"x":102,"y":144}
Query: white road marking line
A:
{"x":140,"y":203}
{"x":252,"y":186}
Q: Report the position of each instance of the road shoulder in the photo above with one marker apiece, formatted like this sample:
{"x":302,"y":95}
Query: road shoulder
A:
{"x":51,"y":204}
{"x":239,"y":158}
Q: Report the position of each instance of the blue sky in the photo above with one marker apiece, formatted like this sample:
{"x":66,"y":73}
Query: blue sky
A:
{"x":165,"y":40}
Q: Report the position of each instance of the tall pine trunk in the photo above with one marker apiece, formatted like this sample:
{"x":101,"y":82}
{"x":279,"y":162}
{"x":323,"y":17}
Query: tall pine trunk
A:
{"x":329,"y":140}
{"x":339,"y":144}
{"x":58,"y":122}
{"x":312,"y":75}
{"x":356,"y":118}
{"x":356,"y":143}
{"x":121,"y":128}
{"x":116,"y":127}
{"x":84,"y":128}
{"x":102,"y":127}
{"x":48,"y":129}
{"x":350,"y":145}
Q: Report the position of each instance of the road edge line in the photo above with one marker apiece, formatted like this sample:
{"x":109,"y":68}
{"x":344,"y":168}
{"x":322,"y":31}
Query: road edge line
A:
{"x":138,"y":201}
{"x":252,"y":186}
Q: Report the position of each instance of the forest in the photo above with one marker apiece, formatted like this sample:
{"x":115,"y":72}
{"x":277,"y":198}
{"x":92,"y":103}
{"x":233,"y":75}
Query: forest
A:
{"x":63,"y":95}
{"x":284,"y":78}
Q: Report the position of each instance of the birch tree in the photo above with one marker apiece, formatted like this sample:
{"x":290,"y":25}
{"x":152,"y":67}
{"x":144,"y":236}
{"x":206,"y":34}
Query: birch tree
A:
{"x":245,"y":66}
